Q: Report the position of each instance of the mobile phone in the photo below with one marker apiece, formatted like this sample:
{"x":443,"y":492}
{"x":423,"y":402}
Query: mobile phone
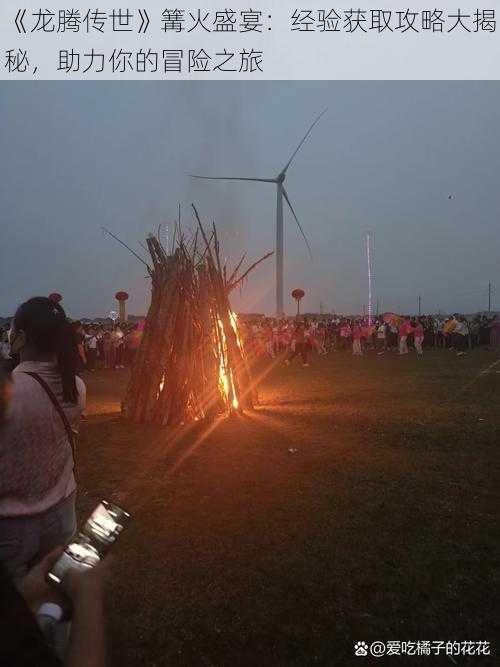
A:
{"x":92,"y":543}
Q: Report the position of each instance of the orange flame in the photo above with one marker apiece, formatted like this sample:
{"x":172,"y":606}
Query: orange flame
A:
{"x":233,"y":318}
{"x":226,"y":380}
{"x":160,"y":388}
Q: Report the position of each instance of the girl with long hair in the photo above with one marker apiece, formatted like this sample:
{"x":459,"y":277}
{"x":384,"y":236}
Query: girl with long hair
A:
{"x":37,"y":483}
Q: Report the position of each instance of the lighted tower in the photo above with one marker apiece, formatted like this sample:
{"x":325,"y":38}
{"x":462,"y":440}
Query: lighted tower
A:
{"x":369,"y":259}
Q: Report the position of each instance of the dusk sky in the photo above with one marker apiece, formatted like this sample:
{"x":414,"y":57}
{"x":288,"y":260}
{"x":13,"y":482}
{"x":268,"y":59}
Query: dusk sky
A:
{"x":385,"y":158}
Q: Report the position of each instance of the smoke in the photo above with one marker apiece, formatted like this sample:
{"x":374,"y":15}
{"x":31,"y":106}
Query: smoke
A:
{"x":226,"y":141}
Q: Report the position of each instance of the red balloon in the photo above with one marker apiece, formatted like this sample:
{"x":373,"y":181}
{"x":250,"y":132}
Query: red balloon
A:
{"x":55,"y":297}
{"x":121,"y":296}
{"x":298,"y":294}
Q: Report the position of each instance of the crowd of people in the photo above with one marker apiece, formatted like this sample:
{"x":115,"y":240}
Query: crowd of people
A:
{"x":295,"y":337}
{"x":110,"y":346}
{"x":42,"y":399}
{"x":113,"y":345}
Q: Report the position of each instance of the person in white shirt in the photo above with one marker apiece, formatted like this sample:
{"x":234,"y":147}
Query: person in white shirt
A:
{"x":460,"y":335}
{"x":117,"y":343}
{"x":381,"y":336}
{"x":37,"y":484}
{"x":91,"y":350}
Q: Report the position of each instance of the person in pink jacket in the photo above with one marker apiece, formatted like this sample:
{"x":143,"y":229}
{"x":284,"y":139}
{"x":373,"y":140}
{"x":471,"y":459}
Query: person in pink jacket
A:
{"x":418,"y":334}
{"x":405,"y":329}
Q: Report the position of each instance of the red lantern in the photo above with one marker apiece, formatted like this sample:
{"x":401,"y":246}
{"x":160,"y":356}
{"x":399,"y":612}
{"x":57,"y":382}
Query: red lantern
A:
{"x":55,"y":297}
{"x":121,"y":296}
{"x":298,"y":294}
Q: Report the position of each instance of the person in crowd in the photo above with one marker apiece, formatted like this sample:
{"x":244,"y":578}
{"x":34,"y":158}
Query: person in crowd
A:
{"x":37,"y":484}
{"x":460,"y":335}
{"x":418,"y":334}
{"x":381,"y":329}
{"x":4,"y":344}
{"x":474,"y":328}
{"x":405,"y":329}
{"x":79,"y":336}
{"x":100,"y":346}
{"x":429,"y":332}
{"x":448,"y":328}
{"x":321,"y":339}
{"x":269,"y":339}
{"x":332,"y":336}
{"x":308,"y":336}
{"x":357,"y":334}
{"x":8,"y":358}
{"x":440,"y":332}
{"x":133,"y":341}
{"x":367,"y":335}
{"x":91,"y":349}
{"x":275,"y":337}
{"x":117,"y":343}
{"x":494,"y":331}
{"x":391,"y":335}
{"x":109,"y":350}
{"x":285,"y":337}
{"x":299,"y":346}
{"x":345,"y":334}
{"x":484,"y":332}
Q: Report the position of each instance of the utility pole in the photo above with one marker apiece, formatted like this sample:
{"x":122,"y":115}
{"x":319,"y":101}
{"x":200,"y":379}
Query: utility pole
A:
{"x":489,"y":297}
{"x":419,"y":305}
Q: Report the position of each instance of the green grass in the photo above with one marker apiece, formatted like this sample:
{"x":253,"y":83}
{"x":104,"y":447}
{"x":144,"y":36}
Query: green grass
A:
{"x":381,"y":526}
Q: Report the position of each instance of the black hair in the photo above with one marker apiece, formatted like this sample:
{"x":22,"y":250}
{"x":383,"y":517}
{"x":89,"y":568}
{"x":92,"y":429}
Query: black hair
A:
{"x":48,"y":331}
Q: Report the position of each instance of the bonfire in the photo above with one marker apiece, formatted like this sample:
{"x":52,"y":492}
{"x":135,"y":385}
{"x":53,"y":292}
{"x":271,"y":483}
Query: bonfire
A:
{"x":191,"y":363}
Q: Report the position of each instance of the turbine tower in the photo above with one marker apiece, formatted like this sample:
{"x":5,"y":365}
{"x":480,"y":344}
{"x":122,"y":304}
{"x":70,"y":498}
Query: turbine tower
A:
{"x":281,"y":194}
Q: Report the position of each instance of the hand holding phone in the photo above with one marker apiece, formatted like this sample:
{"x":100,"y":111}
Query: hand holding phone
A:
{"x":95,"y":539}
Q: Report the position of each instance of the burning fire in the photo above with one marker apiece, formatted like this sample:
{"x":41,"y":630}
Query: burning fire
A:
{"x":233,"y":318}
{"x":226,"y":381}
{"x":160,"y":388}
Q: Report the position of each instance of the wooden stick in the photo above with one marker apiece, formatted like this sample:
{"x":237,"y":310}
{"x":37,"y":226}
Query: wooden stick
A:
{"x":232,"y":285}
{"x":126,"y":246}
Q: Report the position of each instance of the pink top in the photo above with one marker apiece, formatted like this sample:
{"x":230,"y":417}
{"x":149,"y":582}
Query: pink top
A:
{"x":419,"y":331}
{"x":405,"y":328}
{"x":36,"y":459}
{"x":356,"y":333}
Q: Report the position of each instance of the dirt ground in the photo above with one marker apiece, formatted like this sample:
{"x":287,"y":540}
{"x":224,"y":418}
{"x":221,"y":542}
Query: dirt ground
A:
{"x":358,"y":502}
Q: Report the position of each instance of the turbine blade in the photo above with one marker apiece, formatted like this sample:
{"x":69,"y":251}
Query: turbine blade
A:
{"x":232,"y":178}
{"x":285,"y":194}
{"x":304,"y":140}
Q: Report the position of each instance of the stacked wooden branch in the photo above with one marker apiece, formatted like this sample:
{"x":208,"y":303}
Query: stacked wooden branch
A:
{"x":191,"y":363}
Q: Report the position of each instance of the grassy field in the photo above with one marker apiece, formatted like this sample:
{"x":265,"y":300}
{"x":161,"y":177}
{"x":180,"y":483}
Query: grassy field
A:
{"x":358,"y":502}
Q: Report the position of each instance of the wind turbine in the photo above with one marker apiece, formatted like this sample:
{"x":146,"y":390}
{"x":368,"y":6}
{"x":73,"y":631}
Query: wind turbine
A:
{"x":281,"y":194}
